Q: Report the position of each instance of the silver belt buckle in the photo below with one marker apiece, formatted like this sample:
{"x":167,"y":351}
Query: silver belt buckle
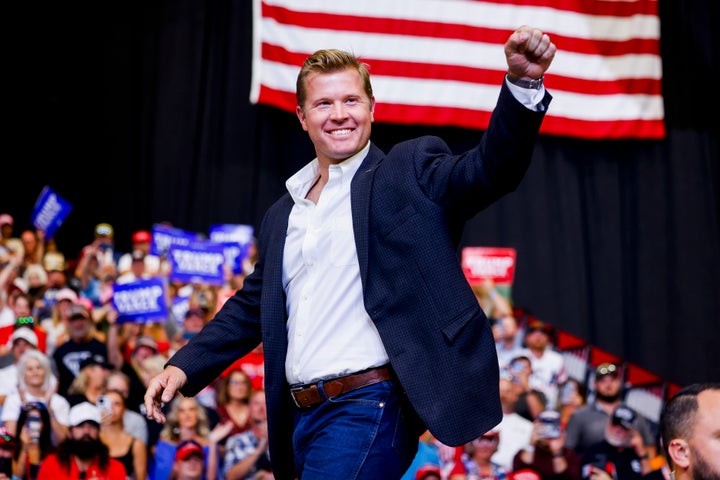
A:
{"x":292,"y":394}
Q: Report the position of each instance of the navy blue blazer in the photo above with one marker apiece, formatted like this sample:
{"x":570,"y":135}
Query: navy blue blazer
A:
{"x":409,"y":208}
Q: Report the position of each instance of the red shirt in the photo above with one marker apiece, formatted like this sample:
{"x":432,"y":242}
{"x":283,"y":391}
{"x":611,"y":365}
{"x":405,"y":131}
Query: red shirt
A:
{"x":50,"y":469}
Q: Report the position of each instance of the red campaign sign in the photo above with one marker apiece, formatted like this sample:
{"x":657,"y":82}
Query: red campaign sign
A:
{"x":495,"y":263}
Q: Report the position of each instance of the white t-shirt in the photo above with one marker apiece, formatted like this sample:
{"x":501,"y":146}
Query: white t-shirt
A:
{"x":515,"y":432}
{"x":58,"y":404}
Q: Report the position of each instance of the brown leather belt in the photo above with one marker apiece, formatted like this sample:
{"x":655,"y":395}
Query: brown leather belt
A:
{"x":306,"y":396}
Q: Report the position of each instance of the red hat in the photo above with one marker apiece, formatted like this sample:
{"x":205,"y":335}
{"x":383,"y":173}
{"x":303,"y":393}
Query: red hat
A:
{"x":6,"y":440}
{"x":425,"y":470}
{"x":6,"y":219}
{"x":524,"y":474}
{"x":141,"y":236}
{"x":187,"y":448}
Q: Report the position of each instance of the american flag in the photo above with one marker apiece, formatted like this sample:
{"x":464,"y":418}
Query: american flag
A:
{"x":441,"y":62}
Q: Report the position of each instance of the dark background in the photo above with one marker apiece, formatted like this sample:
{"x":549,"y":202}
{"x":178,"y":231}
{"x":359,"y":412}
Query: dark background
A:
{"x":138,"y":112}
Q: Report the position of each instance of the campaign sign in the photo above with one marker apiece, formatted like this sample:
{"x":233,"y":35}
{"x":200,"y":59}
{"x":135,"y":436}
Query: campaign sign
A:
{"x":163,"y":237}
{"x":236,"y":239}
{"x":494,"y":263}
{"x":50,"y":211}
{"x":198,"y":262}
{"x":141,"y":301}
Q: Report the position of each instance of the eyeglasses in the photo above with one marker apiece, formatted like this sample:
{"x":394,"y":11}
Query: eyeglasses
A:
{"x":25,"y":321}
{"x":237,"y":382}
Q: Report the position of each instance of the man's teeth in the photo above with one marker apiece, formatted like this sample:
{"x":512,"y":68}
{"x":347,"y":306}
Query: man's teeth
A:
{"x":344,"y":131}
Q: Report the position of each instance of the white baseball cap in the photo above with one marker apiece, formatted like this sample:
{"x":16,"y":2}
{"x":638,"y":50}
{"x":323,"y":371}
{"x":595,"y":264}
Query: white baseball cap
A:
{"x":26,"y":334}
{"x":84,"y":412}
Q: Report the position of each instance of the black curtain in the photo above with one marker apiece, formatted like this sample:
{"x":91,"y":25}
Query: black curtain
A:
{"x":138,"y":112}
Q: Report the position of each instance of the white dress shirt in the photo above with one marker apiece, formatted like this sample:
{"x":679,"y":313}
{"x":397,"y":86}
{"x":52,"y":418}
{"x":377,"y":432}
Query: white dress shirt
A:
{"x":329,"y":331}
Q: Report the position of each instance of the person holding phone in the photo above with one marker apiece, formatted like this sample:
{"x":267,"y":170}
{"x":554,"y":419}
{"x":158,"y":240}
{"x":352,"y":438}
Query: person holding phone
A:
{"x":34,"y":440}
{"x":546,"y":454}
{"x":621,"y":454}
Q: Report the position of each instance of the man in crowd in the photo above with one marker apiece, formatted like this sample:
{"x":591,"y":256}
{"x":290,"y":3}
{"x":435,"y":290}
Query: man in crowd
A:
{"x":82,"y":455}
{"x":621,"y":454}
{"x":81,"y":345}
{"x":246,"y":453}
{"x":586,"y":425}
{"x":690,"y":432}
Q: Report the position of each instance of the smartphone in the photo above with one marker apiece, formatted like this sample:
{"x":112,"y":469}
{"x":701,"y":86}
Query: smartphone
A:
{"x":104,"y":404}
{"x":34,"y":426}
{"x":549,"y":424}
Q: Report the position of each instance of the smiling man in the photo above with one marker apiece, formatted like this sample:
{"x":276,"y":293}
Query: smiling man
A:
{"x":371,"y":332}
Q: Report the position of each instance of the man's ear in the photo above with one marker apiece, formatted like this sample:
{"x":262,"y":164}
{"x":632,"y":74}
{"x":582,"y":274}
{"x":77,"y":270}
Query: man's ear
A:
{"x":301,"y":116}
{"x":679,"y":452}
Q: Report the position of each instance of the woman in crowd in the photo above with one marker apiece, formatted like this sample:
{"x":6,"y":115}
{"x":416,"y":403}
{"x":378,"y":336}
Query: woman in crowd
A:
{"x":187,"y":420}
{"x":233,"y":398}
{"x":89,"y":384}
{"x":36,"y":383}
{"x":476,"y":460}
{"x":56,"y":325}
{"x":34,"y":442}
{"x":130,"y":451}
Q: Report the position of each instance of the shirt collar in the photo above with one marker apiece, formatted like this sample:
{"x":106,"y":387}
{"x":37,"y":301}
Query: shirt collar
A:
{"x":302,"y":181}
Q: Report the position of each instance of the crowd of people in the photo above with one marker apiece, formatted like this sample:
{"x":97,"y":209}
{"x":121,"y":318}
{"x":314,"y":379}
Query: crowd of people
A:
{"x":73,"y":378}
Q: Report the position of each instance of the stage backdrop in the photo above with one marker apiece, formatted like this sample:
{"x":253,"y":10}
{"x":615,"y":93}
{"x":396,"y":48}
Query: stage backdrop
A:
{"x":138,"y":112}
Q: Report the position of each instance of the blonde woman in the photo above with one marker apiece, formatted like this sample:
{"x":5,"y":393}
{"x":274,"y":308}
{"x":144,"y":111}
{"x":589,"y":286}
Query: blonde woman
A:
{"x":36,"y":384}
{"x":130,"y":451}
{"x":188,"y":420}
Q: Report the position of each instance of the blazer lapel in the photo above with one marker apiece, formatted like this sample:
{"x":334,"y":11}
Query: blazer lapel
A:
{"x":360,"y":202}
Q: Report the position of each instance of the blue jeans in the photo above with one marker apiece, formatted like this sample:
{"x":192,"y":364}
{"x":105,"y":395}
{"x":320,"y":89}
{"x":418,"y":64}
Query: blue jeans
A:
{"x":363,"y":434}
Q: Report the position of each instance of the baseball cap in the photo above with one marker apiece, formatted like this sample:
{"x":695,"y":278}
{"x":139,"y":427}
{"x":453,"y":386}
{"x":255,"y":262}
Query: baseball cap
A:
{"x":606,"y":369}
{"x":538,"y":325}
{"x":78,"y":311}
{"x":96,"y":359}
{"x":104,"y":230}
{"x":6,"y":219}
{"x":146,"y":341}
{"x":426,"y":469}
{"x":66,"y":293}
{"x":54,"y":262}
{"x":187,"y":448}
{"x":141,"y":236}
{"x":195,"y":311}
{"x":84,"y":412}
{"x":524,"y":474}
{"x":6,"y":440}
{"x":24,"y":334}
{"x":624,"y":416}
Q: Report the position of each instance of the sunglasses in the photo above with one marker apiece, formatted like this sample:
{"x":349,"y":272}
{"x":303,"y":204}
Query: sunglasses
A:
{"x":34,"y":406}
{"x":25,"y":321}
{"x":606,"y":369}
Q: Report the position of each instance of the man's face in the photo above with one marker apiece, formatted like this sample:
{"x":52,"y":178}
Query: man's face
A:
{"x":192,"y":466}
{"x":86,"y":431}
{"x":79,"y":327}
{"x":607,"y":385}
{"x":705,"y":441}
{"x":536,"y":338}
{"x":337,"y":115}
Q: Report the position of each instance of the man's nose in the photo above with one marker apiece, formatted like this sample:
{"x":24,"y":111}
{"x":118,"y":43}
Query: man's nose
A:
{"x":338,"y":111}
